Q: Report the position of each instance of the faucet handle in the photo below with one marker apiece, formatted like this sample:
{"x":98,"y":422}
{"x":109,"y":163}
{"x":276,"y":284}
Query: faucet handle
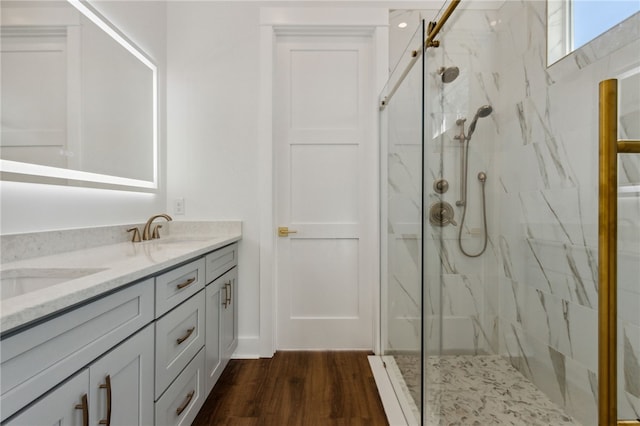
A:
{"x":136,"y":235}
{"x":156,"y":232}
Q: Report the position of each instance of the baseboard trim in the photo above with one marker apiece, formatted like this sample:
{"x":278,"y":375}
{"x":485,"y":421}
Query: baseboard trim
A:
{"x":248,"y":348}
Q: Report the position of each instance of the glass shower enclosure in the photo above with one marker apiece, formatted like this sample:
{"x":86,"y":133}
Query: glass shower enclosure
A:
{"x":434,"y":301}
{"x":402,"y":157}
{"x":489,"y":295}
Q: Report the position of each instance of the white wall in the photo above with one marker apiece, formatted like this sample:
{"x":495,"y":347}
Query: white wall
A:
{"x":213,"y":75}
{"x":27,"y":207}
{"x":213,"y":139}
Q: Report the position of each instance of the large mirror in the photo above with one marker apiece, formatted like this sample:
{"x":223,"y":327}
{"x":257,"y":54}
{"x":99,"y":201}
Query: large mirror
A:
{"x":78,"y":99}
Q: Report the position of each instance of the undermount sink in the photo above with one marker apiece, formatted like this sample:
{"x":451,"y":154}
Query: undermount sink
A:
{"x":16,"y":282}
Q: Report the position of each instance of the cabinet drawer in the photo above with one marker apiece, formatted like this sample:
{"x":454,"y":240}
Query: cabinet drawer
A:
{"x":58,"y":407}
{"x":177,"y":285}
{"x":179,"y":336}
{"x":221,"y":260}
{"x":184,"y":398}
{"x":42,"y":356}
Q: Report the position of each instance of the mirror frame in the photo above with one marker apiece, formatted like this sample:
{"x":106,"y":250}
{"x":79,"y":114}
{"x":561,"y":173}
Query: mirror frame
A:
{"x":35,"y":173}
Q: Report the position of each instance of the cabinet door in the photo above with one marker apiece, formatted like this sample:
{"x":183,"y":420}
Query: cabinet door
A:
{"x":63,"y":406}
{"x":213,"y":361}
{"x":229,"y":327}
{"x":124,"y":378}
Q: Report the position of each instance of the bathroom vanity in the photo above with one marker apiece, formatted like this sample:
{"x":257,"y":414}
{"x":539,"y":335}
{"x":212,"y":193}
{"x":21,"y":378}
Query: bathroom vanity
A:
{"x":140,"y":339}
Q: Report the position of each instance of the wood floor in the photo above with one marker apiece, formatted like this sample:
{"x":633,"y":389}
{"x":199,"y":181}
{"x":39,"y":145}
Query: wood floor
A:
{"x":296,"y":388}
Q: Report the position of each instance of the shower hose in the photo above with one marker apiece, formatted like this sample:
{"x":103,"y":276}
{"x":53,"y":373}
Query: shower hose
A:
{"x":482,"y":177}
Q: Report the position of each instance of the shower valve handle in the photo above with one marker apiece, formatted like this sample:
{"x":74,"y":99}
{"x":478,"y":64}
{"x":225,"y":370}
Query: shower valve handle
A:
{"x":441,"y":214}
{"x":453,"y":222}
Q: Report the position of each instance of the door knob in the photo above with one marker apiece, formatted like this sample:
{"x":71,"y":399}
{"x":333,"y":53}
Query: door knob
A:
{"x":284,"y":231}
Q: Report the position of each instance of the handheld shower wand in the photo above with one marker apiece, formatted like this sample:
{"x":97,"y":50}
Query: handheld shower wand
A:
{"x":483,"y":111}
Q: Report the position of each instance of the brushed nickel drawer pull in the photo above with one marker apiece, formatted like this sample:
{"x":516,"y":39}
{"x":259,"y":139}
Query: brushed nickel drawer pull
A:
{"x":226,"y":296}
{"x":229,"y":293}
{"x":186,"y":283}
{"x":107,"y":386}
{"x":186,"y":402}
{"x":186,"y":336}
{"x":84,"y":406}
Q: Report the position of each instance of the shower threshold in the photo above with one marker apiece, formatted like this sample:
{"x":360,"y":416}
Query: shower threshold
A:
{"x":471,"y":390}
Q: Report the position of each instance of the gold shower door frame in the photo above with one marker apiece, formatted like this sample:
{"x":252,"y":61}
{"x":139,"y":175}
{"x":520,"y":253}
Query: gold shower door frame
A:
{"x":609,"y":148}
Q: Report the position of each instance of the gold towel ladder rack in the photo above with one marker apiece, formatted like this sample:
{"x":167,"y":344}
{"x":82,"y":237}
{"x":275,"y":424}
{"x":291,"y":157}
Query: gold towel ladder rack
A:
{"x":609,"y":149}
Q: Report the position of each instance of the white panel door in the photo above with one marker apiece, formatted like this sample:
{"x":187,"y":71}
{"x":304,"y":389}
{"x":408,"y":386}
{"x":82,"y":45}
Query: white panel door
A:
{"x":324,"y":145}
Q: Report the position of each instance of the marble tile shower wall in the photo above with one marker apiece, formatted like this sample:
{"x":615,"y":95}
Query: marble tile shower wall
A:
{"x":547,"y":241}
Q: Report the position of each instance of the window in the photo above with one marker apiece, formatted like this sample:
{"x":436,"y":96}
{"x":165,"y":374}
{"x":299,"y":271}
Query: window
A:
{"x":573,"y":23}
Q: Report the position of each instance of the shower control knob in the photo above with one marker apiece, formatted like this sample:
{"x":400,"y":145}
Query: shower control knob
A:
{"x":441,"y":214}
{"x":441,"y":186}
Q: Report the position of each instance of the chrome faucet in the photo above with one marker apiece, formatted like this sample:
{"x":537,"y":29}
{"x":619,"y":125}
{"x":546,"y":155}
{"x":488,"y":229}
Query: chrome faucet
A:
{"x":146,"y":232}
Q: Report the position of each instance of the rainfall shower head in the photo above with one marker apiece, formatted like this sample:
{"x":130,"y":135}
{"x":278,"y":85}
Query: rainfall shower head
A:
{"x":449,"y":74}
{"x":482,"y":112}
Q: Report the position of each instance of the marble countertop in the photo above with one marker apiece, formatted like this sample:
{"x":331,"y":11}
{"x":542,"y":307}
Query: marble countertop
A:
{"x":116,"y":264}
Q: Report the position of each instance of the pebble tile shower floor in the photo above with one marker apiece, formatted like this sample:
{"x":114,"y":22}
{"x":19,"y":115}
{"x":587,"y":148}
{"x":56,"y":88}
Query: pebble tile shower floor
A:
{"x":479,"y":390}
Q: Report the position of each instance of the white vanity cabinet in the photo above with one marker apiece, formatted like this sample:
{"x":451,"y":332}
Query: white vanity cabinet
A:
{"x":146,"y":354}
{"x":39,"y":358}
